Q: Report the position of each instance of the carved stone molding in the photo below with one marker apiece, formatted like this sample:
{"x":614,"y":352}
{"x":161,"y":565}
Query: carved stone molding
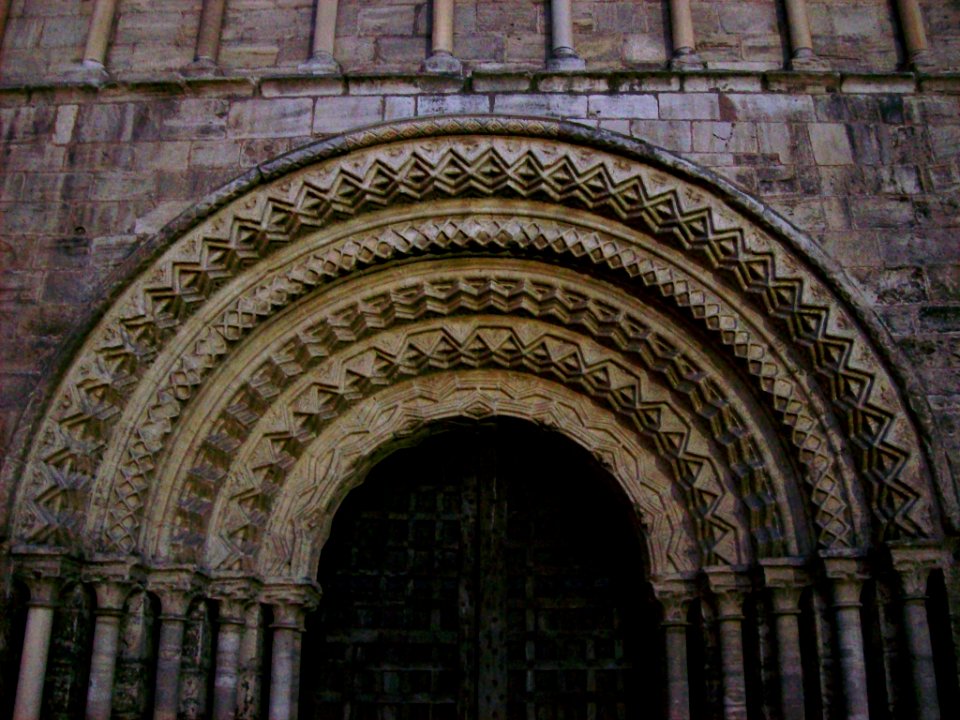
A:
{"x":107,"y":428}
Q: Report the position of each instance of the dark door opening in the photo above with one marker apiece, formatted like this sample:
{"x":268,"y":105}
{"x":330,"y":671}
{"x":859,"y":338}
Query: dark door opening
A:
{"x":486,"y":573}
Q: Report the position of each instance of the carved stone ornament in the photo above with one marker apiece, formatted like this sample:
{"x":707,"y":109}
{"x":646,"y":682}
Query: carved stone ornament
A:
{"x":626,"y":300}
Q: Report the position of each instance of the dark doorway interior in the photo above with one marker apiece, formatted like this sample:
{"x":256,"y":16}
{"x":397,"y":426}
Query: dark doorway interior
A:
{"x":492,"y":572}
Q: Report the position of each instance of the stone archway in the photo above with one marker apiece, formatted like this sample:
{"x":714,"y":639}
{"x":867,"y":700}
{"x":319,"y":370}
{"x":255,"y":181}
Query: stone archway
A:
{"x":338,"y":300}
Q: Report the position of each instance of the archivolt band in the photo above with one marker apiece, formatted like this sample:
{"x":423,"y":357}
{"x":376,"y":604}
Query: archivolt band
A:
{"x":283,"y":340}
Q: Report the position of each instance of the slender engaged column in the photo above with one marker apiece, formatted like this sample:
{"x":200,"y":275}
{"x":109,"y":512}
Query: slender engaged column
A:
{"x":98,"y":38}
{"x":251,"y":660}
{"x":684,"y":43}
{"x":786,"y":580}
{"x":233,"y":597}
{"x":914,"y":572}
{"x":847,"y":582}
{"x":674,"y":596}
{"x":321,"y":60}
{"x":563,"y":56}
{"x":4,"y":13}
{"x":36,"y":646}
{"x":729,"y":588}
{"x":176,"y":588}
{"x":208,"y":36}
{"x":442,"y":59}
{"x":106,"y":640}
{"x":802,"y":56}
{"x":290,"y":604}
{"x":914,"y":34}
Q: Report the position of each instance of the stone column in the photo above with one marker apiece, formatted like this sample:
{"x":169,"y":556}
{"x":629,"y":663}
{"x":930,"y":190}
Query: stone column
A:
{"x":802,"y":56}
{"x":442,"y":59}
{"x":729,"y":588}
{"x":290,"y":604}
{"x":675,"y":595}
{"x":4,"y":12}
{"x":913,"y":567}
{"x":233,"y":596}
{"x":321,"y":60}
{"x":106,"y":637}
{"x":251,"y":660}
{"x":846,"y":576}
{"x":208,"y":37}
{"x":98,"y":37}
{"x":36,"y":646}
{"x":684,"y":43}
{"x":176,"y":588}
{"x":562,"y":57}
{"x":786,"y":580}
{"x":914,"y":35}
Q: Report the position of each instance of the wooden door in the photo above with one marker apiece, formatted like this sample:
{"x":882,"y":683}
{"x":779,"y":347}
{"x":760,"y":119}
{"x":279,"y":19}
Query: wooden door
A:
{"x":485,"y":574}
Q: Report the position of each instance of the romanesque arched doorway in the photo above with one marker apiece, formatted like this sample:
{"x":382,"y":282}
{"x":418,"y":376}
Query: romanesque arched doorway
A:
{"x":275,"y":344}
{"x":487,"y":572}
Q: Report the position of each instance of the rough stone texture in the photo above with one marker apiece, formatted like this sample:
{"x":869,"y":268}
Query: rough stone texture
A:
{"x":862,"y":159}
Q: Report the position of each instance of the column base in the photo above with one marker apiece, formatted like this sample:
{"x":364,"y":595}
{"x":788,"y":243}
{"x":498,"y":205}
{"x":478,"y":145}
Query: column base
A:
{"x":322,"y":63}
{"x":686,"y":59}
{"x":805,"y":61}
{"x":89,"y":71}
{"x":202,"y":67}
{"x":566,"y":63}
{"x":443,"y":63}
{"x":921,"y":62}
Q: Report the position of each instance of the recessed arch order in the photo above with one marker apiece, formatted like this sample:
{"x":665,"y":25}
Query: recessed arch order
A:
{"x":462,"y":262}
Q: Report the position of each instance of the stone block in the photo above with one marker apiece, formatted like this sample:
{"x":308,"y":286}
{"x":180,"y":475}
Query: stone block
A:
{"x":640,"y":107}
{"x":892,"y":286}
{"x":336,"y":114}
{"x":399,"y":107}
{"x":278,"y":117}
{"x":453,"y":104}
{"x":766,"y":107}
{"x":715,"y":137}
{"x":693,"y":106}
{"x":391,"y":19}
{"x":831,"y":144}
{"x":554,"y":105}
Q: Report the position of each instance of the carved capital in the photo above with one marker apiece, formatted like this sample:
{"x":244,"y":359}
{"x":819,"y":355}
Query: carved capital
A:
{"x":913,"y":566}
{"x":290,"y":601}
{"x":847,"y":573}
{"x":44,"y":570}
{"x":786,"y":578}
{"x":729,"y":585}
{"x":674,"y":594}
{"x":176,"y":587}
{"x":113,"y":579}
{"x":233,"y":596}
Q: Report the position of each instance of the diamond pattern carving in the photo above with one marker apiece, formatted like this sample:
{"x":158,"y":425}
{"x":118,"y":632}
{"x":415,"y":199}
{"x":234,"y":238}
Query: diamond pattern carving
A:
{"x":78,"y":433}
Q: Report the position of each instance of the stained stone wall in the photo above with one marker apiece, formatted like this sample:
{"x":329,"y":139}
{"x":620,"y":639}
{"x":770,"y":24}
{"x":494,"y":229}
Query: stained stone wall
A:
{"x":46,"y":36}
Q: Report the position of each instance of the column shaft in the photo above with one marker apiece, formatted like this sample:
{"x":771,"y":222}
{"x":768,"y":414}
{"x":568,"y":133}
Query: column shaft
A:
{"x":852,"y":661}
{"x":4,"y":12}
{"x":681,"y":26}
{"x":791,"y":666}
{"x":208,"y":34}
{"x":324,"y":27}
{"x":33,"y":663}
{"x":99,"y":35}
{"x":561,"y":27}
{"x":167,"y":693}
{"x":801,"y":43}
{"x":914,"y":33}
{"x":251,"y":649}
{"x":284,"y":673}
{"x":921,"y":659}
{"x":443,"y":26}
{"x":678,"y":685}
{"x":228,"y":660}
{"x":103,"y":663}
{"x":734,"y":681}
